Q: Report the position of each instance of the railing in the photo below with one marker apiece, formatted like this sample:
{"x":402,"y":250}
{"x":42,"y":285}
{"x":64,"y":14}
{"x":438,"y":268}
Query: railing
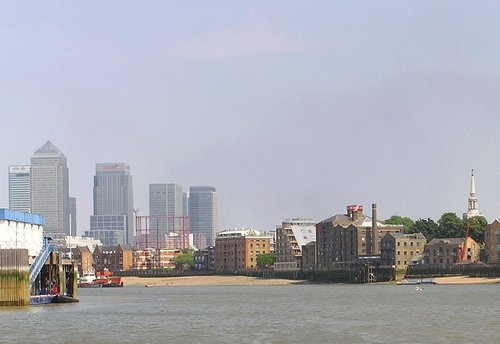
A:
{"x":40,"y":260}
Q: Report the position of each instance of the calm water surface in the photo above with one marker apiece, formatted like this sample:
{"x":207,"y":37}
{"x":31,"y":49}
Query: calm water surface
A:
{"x":257,"y":314}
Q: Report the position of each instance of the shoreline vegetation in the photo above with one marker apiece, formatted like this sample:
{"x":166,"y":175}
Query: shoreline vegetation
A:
{"x":215,"y":280}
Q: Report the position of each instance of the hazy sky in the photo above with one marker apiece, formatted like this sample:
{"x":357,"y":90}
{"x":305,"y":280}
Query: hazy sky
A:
{"x":288,"y":108}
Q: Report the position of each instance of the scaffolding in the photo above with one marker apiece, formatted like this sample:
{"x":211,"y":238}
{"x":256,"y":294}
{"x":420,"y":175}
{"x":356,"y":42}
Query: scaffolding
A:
{"x":162,"y":232}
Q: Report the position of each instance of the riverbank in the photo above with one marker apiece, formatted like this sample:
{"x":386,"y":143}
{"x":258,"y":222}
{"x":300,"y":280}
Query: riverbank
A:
{"x":466,"y":280}
{"x":216,"y":280}
{"x":206,"y":280}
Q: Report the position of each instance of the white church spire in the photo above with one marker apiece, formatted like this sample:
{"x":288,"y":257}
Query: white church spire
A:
{"x":473,"y":203}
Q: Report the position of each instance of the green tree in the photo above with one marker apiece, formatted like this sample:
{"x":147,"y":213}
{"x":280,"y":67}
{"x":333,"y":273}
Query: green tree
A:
{"x":399,"y":220}
{"x":451,"y":226}
{"x":428,"y":227}
{"x":477,"y":227}
{"x":184,"y":261}
{"x":265,"y":260}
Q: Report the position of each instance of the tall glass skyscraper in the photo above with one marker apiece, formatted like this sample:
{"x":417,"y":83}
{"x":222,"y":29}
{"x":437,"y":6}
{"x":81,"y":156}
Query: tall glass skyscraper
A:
{"x":113,"y":219}
{"x":50,"y":189}
{"x":20,"y":188}
{"x":203,"y":215}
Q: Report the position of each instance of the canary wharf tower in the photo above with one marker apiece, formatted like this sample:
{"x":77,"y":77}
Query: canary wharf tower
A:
{"x":50,"y":189}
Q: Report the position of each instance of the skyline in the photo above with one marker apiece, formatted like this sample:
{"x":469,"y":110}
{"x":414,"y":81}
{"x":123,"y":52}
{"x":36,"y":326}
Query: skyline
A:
{"x":287,"y":109}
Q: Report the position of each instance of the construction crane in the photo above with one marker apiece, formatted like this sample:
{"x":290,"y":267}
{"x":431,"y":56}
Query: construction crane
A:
{"x":464,"y":245}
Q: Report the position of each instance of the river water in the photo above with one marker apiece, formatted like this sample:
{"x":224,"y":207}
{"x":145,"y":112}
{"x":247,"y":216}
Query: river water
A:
{"x":263,"y":314}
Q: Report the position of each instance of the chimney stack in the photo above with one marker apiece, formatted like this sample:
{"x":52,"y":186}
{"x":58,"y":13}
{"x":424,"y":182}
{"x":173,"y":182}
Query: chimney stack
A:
{"x":374,"y":238}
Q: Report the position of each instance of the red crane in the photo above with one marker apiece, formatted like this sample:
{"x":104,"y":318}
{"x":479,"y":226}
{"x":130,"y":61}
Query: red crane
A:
{"x":464,"y":245}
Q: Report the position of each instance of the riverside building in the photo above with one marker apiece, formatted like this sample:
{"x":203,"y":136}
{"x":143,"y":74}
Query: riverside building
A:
{"x":237,"y":250}
{"x":291,"y":236}
{"x":398,"y":249}
{"x":344,"y":239}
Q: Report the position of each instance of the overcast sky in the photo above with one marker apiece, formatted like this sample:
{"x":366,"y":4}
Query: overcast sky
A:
{"x":288,"y":108}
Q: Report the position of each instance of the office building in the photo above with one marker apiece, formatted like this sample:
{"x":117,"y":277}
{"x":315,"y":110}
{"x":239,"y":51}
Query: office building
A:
{"x":20,"y":188}
{"x":113,"y":218}
{"x":50,"y":189}
{"x":185,"y":200}
{"x":203,"y":215}
{"x":72,"y":216}
{"x":166,"y":227}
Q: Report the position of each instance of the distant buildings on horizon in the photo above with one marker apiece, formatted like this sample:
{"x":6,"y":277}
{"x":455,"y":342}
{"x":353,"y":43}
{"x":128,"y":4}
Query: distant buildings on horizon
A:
{"x":43,"y":188}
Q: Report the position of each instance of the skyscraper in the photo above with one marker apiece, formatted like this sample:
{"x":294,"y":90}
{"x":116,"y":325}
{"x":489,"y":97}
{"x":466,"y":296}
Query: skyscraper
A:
{"x":166,"y":217}
{"x":50,"y":188}
{"x":20,"y":188}
{"x":113,"y":219}
{"x":203,"y":215}
{"x":72,"y":216}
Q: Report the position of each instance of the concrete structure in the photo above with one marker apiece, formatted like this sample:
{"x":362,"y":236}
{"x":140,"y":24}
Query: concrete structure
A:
{"x":473,"y":205}
{"x":113,"y":196}
{"x":398,"y":249}
{"x":492,"y":242}
{"x":50,"y":189}
{"x":31,"y":271}
{"x":291,"y":236}
{"x":20,"y":188}
{"x":346,"y":238}
{"x":237,"y":250}
{"x":20,"y":230}
{"x":203,"y":215}
{"x":445,"y":251}
{"x":113,"y":258}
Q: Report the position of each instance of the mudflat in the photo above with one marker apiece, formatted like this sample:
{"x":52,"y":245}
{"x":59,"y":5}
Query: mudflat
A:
{"x":205,"y":280}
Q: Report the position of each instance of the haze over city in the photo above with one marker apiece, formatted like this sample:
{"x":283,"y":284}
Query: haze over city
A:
{"x":288,"y":109}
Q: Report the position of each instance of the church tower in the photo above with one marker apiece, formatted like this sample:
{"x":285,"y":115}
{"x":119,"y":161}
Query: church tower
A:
{"x":473,"y":204}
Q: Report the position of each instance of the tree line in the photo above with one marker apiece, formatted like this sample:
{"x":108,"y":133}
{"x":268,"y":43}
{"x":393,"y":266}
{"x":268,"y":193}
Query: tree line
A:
{"x":449,"y":225}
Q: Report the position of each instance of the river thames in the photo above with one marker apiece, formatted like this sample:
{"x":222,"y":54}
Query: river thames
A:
{"x":264,"y":314}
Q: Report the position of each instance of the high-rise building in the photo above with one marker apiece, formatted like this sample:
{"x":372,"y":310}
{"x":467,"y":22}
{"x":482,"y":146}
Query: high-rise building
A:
{"x":50,"y":189}
{"x":185,"y":204}
{"x":113,"y":219}
{"x":72,"y":216}
{"x":158,"y":205}
{"x":166,"y":218}
{"x":174,"y":201}
{"x":203,"y":215}
{"x":20,"y":188}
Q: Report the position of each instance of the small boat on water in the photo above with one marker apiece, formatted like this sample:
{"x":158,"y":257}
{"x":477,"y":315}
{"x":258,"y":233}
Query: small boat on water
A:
{"x":101,"y":279}
{"x":148,"y":285}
